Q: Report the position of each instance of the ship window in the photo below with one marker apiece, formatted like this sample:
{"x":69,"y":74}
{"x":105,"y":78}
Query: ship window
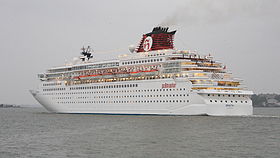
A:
{"x":210,"y":100}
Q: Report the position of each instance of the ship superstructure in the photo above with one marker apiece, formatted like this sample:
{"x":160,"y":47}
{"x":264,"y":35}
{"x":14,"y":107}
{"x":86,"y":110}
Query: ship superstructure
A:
{"x":154,"y":79}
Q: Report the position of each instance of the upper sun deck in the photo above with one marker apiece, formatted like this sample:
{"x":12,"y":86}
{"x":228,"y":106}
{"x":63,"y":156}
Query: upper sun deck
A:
{"x":134,"y":59}
{"x":84,"y":66}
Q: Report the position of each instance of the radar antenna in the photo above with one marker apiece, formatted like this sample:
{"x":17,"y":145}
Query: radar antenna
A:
{"x":86,"y":52}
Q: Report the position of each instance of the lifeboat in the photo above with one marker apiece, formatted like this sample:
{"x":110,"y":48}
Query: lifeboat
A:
{"x":108,"y":75}
{"x":136,"y":73}
{"x":122,"y":74}
{"x":150,"y":73}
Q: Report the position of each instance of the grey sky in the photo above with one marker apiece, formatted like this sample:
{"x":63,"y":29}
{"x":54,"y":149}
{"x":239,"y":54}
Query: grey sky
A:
{"x":37,"y":34}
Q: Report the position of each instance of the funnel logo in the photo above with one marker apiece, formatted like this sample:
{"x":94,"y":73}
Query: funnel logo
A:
{"x":147,"y":44}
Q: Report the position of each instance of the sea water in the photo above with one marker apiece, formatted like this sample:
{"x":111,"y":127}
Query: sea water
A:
{"x":33,"y":132}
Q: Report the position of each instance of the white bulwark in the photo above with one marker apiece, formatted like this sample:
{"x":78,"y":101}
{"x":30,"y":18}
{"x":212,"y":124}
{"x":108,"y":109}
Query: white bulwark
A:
{"x":156,"y":82}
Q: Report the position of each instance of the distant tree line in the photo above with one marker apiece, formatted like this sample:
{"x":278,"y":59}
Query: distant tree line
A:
{"x":9,"y":106}
{"x":266,"y":100}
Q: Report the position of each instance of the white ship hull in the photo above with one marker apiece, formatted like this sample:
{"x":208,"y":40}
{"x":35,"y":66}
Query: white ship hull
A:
{"x":149,"y":97}
{"x":154,"y":79}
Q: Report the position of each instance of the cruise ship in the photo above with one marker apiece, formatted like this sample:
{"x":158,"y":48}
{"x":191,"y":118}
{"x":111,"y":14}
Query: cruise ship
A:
{"x":154,"y":78}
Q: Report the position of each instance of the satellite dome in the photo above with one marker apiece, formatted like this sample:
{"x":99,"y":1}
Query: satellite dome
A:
{"x":131,"y":48}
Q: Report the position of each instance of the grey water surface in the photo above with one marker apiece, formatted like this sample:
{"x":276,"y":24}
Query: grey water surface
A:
{"x":33,"y":132}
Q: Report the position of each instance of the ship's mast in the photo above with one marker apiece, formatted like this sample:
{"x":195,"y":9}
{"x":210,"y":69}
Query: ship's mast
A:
{"x":87,"y":53}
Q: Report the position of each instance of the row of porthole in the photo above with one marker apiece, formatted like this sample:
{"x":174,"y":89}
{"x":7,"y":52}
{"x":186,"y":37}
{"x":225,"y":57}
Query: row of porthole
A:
{"x":128,"y":96}
{"x":123,"y":91}
{"x":125,"y":101}
{"x":226,"y":95}
{"x":103,"y":87}
{"x":151,"y":90}
{"x":133,"y":96}
{"x":54,"y":89}
{"x":228,"y":101}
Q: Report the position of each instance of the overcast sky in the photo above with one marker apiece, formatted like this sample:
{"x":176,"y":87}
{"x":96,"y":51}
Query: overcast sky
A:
{"x":37,"y":34}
